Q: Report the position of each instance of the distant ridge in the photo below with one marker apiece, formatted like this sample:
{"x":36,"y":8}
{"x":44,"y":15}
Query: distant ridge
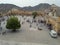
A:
{"x":6,"y":7}
{"x":41,"y":6}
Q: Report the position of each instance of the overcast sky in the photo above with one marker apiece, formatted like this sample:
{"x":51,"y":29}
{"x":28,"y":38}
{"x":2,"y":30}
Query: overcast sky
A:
{"x":23,"y":3}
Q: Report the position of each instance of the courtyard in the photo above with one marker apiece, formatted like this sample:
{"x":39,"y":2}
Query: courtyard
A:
{"x":26,"y":34}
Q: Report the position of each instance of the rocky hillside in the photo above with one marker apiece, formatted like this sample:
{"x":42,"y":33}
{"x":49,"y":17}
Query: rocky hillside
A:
{"x":41,"y":6}
{"x":6,"y":7}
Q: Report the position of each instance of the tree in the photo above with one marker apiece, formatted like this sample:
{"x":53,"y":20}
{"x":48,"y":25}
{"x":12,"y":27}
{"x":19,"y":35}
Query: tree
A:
{"x":34,"y":14}
{"x":13,"y":23}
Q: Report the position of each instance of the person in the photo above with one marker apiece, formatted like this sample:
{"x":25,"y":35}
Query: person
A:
{"x":0,"y":30}
{"x":44,"y":22}
{"x":41,"y":21}
{"x":30,"y":25}
{"x":22,"y":22}
{"x":3,"y":32}
{"x":4,"y":22}
{"x":38,"y":21}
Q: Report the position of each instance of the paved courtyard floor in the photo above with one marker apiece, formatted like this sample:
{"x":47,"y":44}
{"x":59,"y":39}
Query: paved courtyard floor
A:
{"x":31,"y":36}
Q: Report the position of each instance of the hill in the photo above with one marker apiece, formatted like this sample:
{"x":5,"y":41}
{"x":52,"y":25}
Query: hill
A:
{"x":4,"y":8}
{"x":41,"y":6}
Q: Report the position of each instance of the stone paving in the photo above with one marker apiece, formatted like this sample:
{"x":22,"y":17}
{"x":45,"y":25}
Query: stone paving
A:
{"x":2,"y":42}
{"x":25,"y":36}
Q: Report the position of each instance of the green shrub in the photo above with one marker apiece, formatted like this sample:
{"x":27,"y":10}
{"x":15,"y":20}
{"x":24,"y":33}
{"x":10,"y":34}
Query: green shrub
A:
{"x":13,"y":23}
{"x":34,"y":14}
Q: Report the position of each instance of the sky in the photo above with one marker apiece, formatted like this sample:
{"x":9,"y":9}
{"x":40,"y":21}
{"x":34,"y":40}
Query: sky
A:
{"x":23,"y":3}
